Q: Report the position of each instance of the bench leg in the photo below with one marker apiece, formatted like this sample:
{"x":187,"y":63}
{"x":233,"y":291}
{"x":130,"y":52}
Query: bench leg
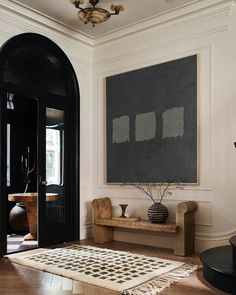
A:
{"x":184,"y":239}
{"x":102,"y":234}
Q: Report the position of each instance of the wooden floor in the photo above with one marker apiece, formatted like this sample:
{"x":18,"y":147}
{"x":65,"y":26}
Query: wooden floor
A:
{"x":20,"y":280}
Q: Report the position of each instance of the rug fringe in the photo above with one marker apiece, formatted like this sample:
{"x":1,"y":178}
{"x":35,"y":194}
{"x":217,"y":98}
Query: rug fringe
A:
{"x":158,"y":284}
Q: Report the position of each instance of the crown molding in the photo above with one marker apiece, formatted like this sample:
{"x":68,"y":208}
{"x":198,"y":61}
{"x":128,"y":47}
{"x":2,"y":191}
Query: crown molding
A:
{"x":198,"y":11}
{"x":14,"y":23}
{"x":29,"y":14}
{"x":192,"y":12}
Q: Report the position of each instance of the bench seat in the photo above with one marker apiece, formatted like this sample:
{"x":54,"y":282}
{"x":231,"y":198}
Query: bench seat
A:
{"x":139,"y":225}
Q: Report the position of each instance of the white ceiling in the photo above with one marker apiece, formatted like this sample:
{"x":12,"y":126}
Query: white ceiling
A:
{"x":135,"y":11}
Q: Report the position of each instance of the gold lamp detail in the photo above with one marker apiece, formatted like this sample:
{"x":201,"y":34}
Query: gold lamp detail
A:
{"x":95,"y":15}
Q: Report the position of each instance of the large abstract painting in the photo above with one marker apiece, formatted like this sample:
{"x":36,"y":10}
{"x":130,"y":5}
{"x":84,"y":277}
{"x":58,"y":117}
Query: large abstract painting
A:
{"x":152,"y":123}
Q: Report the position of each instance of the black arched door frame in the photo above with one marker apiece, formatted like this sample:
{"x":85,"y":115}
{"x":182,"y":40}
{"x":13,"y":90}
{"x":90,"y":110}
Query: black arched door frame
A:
{"x":70,"y":96}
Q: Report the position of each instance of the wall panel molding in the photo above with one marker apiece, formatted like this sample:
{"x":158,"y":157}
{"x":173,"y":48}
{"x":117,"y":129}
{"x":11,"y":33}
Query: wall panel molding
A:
{"x":205,"y":103}
{"x":151,"y":43}
{"x":215,"y":236}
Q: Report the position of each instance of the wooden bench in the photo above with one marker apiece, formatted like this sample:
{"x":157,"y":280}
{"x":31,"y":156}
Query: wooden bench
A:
{"x":183,"y":229}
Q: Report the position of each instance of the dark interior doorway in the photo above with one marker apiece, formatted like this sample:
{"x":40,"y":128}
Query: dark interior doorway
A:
{"x":39,"y":101}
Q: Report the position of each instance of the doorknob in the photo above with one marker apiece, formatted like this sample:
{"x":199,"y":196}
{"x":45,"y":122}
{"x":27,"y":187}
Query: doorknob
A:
{"x":44,"y":182}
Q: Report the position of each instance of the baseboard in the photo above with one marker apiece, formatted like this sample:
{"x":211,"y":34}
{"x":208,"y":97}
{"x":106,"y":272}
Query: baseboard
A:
{"x":86,"y":231}
{"x":161,"y":240}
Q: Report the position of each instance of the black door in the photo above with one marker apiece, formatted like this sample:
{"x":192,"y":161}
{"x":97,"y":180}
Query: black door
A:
{"x":54,"y":171}
{"x":32,"y":65}
{"x":3,"y":174}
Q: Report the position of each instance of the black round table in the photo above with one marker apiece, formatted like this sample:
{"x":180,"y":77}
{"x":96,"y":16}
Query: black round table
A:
{"x":219,"y":268}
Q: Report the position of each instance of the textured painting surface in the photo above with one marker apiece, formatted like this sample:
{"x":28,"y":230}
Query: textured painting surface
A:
{"x":152,"y":123}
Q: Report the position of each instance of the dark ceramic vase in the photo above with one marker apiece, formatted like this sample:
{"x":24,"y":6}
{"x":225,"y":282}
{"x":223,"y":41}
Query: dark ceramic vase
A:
{"x":123,"y":208}
{"x":157,"y":213}
{"x":18,"y":218}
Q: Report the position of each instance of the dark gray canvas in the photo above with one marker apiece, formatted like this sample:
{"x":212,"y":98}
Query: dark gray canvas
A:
{"x":152,"y":123}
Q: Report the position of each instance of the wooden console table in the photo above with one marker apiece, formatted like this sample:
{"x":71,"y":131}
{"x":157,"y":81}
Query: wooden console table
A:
{"x":183,"y":229}
{"x":30,"y":200}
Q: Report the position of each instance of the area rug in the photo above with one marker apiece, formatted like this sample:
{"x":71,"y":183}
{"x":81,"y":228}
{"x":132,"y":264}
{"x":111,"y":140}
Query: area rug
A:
{"x":127,"y":273}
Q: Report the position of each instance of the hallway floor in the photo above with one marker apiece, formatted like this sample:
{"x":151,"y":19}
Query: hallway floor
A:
{"x":16,"y":243}
{"x":20,"y":280}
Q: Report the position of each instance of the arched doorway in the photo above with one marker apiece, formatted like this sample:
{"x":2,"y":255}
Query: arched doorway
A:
{"x":39,"y":156}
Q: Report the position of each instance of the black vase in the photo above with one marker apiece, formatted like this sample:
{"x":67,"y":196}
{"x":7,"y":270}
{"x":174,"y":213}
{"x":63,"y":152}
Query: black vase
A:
{"x":157,"y":213}
{"x":18,"y":218}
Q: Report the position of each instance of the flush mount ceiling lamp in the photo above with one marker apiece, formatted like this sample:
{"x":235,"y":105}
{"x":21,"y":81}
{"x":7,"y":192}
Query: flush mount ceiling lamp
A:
{"x":95,"y":15}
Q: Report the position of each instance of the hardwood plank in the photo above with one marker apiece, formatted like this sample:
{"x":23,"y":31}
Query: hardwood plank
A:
{"x":66,"y":284}
{"x":47,"y":279}
{"x":56,"y":282}
{"x":94,"y":290}
{"x":78,"y":288}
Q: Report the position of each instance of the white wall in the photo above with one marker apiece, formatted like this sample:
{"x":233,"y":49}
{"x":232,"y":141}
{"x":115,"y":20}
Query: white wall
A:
{"x":80,"y":54}
{"x":210,"y":33}
{"x":207,"y":28}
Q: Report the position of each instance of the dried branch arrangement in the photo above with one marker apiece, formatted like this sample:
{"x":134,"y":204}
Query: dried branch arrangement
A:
{"x":156,"y":191}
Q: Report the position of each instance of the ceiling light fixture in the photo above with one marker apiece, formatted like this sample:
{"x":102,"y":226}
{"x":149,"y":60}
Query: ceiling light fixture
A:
{"x":95,"y":15}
